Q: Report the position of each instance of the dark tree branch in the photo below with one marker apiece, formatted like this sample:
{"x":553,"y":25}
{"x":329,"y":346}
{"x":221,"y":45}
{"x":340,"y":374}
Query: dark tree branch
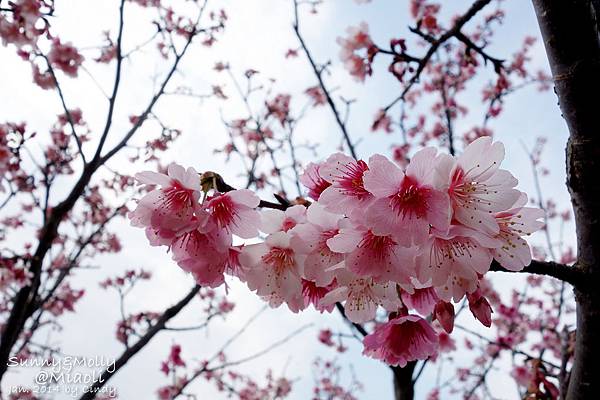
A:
{"x":559,"y":271}
{"x":404,"y":386}
{"x":66,"y":109}
{"x":319,"y":75}
{"x":64,"y":272}
{"x":142,"y":118}
{"x":117,"y":82}
{"x":496,"y":62}
{"x":356,"y":326}
{"x":436,"y":43}
{"x":139,"y":345}
{"x":23,"y":304}
{"x":571,"y":37}
{"x":448,"y":115}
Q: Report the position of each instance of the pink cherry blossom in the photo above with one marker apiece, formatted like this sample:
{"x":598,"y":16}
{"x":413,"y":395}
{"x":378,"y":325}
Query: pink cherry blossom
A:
{"x":311,"y":239}
{"x":443,"y":312}
{"x":371,"y":255}
{"x":274,"y":270}
{"x":477,"y":188}
{"x":171,"y":207}
{"x":314,"y":181}
{"x":454,"y":262}
{"x":357,"y":41}
{"x":523,"y":375}
{"x":65,"y":57}
{"x":347,"y":193}
{"x":407,"y":204}
{"x":446,"y":343}
{"x":295,"y":303}
{"x":422,"y":300}
{"x":325,"y":336}
{"x":235,"y":212}
{"x":202,"y":255}
{"x":317,"y":96}
{"x":514,"y":253}
{"x":480,"y":308}
{"x":362,"y":296}
{"x":21,"y":29}
{"x":313,"y":294}
{"x":276,"y":220}
{"x":401,"y":340}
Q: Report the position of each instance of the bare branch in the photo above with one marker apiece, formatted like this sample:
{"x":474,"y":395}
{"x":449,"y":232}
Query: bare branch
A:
{"x":435,"y":44}
{"x":570,"y":274}
{"x":108,"y":373}
{"x":319,"y":75}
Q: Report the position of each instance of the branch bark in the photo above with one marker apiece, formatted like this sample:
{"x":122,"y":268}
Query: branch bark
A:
{"x":436,"y":43}
{"x":319,"y":75}
{"x":565,"y":273}
{"x":570,"y":32}
{"x":24,"y":303}
{"x":404,"y":388}
{"x":92,"y":390}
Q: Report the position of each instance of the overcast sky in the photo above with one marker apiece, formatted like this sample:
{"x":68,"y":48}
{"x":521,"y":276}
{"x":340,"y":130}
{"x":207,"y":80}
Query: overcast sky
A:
{"x":257,"y":36}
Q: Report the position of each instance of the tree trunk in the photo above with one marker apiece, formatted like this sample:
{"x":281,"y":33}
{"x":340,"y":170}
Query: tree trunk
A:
{"x":571,"y":38}
{"x":404,"y":388}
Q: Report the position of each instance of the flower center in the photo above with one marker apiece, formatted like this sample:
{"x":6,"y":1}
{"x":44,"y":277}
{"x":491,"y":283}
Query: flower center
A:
{"x":350,"y":181}
{"x":279,"y":258}
{"x":223,"y":211}
{"x":411,"y":199}
{"x":378,"y":246}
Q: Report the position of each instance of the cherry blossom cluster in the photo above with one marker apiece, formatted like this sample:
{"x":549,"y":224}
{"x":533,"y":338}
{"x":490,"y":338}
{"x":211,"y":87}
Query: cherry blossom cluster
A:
{"x":235,"y":384}
{"x":375,"y":236}
{"x":328,"y":383}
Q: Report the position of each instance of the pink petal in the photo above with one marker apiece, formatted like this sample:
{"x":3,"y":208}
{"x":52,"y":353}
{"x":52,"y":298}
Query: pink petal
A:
{"x":383,"y":177}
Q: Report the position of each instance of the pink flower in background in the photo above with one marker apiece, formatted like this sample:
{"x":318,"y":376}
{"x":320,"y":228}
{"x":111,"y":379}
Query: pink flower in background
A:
{"x":175,"y":356}
{"x":64,"y":300}
{"x":325,"y":336}
{"x":347,"y":193}
{"x":22,"y":30}
{"x":477,"y":187}
{"x":65,"y":57}
{"x":356,"y":51}
{"x":407,"y":204}
{"x":171,"y":207}
{"x":317,"y":95}
{"x":523,"y":375}
{"x":279,"y":107}
{"x":401,"y":340}
{"x":314,"y":181}
{"x":382,"y":121}
{"x":311,"y":239}
{"x":362,"y":296}
{"x":446,"y":343}
{"x":235,"y":212}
